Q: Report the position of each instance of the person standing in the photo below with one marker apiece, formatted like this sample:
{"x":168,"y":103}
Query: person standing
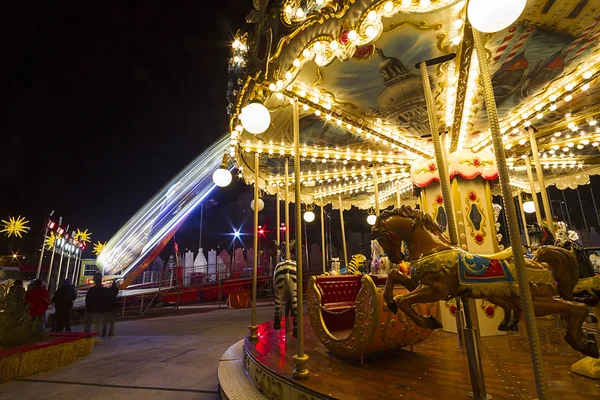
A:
{"x":17,"y":292}
{"x":94,"y":305}
{"x":38,"y":300}
{"x":110,"y":314}
{"x":63,"y":303}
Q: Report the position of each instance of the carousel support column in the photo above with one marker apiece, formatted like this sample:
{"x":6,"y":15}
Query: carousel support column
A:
{"x":343,"y":230}
{"x":323,"y":236}
{"x":582,"y":211}
{"x":278,"y":222}
{"x":287,"y":209}
{"x":595,"y":209}
{"x":513,"y":225}
{"x":523,"y":219}
{"x":376,"y":185}
{"x":253,"y":327}
{"x":540,"y":177}
{"x":300,"y":359}
{"x":538,"y":212}
{"x":399,"y":198}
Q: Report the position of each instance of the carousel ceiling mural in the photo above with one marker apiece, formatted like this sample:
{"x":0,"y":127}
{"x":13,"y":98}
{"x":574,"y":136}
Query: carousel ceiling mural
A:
{"x":353,"y":68}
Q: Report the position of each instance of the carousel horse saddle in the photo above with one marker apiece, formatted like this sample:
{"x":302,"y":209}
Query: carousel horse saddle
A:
{"x":476,"y":269}
{"x":501,"y":255}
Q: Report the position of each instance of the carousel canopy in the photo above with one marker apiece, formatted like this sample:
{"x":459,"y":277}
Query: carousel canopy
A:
{"x":352,"y":68}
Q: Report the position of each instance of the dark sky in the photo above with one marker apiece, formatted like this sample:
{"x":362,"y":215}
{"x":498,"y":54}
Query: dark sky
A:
{"x":104,"y":102}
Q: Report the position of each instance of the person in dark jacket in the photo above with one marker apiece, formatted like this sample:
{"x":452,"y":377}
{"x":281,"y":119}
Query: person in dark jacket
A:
{"x":95,"y":305}
{"x":38,"y":300}
{"x":110,"y":296}
{"x":63,"y":303}
{"x":17,"y":292}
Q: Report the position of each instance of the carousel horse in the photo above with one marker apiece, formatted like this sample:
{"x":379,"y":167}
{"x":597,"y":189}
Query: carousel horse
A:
{"x":284,"y":286}
{"x":380,"y":263}
{"x":441,"y":271}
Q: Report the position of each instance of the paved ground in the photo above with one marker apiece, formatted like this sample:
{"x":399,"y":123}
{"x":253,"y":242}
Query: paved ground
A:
{"x":180,"y":351}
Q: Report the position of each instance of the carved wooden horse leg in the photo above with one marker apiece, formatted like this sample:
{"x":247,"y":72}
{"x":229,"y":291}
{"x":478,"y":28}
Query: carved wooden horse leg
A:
{"x":511,"y":316}
{"x":575,"y":314}
{"x":422,"y":294}
{"x":395,"y":276}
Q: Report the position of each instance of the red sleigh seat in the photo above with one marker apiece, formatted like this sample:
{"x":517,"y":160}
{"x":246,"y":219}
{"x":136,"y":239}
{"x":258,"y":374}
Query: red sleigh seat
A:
{"x":338,"y":300}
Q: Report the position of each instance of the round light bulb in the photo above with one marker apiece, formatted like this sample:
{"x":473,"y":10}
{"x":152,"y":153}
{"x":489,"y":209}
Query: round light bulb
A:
{"x":371,"y":219}
{"x":529,"y":207}
{"x":352,"y":35}
{"x":372,"y":15}
{"x":309,"y":216}
{"x":493,"y":16}
{"x":255,"y":118}
{"x":371,"y":32}
{"x":222,"y":177}
{"x":261,"y":204}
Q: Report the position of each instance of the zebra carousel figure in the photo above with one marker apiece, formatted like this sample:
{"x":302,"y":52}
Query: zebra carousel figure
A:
{"x":284,"y":287}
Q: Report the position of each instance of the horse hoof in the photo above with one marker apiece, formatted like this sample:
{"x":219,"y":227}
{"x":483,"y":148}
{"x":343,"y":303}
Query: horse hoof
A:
{"x":277,"y":325}
{"x":513,"y":327}
{"x":433,"y":323}
{"x":295,"y":332}
{"x":592,"y":319}
{"x":503,"y":326}
{"x":590,"y":348}
{"x":392,"y":306}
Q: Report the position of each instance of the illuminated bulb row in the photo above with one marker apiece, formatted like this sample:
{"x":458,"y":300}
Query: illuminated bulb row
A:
{"x":239,"y":50}
{"x":470,"y":101}
{"x":451,"y":93}
{"x":356,"y":186}
{"x":297,"y":13}
{"x":345,"y":173}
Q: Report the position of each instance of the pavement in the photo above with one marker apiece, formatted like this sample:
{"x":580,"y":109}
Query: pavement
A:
{"x":167,"y":357}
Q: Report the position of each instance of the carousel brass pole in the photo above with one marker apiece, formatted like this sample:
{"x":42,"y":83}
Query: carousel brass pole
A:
{"x":287,"y":209}
{"x":253,"y":327}
{"x":513,"y":225}
{"x":278,"y":212}
{"x":398,"y":197}
{"x":538,"y":213}
{"x":300,"y":359}
{"x":323,"y":237}
{"x":343,"y":230}
{"x":523,"y":219}
{"x":471,"y":329}
{"x":540,"y":177}
{"x":376,"y":185}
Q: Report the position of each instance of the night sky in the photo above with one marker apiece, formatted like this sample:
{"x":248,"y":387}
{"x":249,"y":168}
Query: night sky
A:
{"x":103,"y":103}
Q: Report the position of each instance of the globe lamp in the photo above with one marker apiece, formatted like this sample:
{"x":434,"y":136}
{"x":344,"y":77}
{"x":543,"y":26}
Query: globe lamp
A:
{"x":529,"y":207}
{"x":371,"y":219}
{"x":222,"y":177}
{"x":309,"y":216}
{"x":255,"y":118}
{"x":493,"y":16}
{"x":261,"y":204}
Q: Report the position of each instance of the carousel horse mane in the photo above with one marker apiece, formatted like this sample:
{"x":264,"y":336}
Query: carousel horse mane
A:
{"x":418,"y":217}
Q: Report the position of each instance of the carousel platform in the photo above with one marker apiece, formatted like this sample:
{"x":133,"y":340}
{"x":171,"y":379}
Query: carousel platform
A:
{"x":434,"y":369}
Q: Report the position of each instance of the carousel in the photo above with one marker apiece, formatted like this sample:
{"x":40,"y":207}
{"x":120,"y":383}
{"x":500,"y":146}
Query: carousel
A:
{"x":444,"y":121}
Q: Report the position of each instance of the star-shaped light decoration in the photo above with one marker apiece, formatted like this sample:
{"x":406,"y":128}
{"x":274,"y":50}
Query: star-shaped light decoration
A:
{"x":50,"y":240}
{"x":83,"y":236}
{"x":98,"y":247}
{"x":15,"y":226}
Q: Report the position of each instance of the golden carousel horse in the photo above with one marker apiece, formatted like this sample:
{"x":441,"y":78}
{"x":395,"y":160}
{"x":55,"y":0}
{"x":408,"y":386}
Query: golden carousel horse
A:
{"x":441,"y":271}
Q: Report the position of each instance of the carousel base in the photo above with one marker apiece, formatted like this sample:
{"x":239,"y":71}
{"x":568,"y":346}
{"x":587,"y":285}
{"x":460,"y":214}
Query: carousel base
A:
{"x":435,"y":368}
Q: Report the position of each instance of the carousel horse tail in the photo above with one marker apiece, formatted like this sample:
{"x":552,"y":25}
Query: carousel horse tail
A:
{"x":564,"y":268}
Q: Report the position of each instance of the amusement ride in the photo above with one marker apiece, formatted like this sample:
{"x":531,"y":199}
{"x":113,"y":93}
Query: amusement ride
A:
{"x":439,"y":117}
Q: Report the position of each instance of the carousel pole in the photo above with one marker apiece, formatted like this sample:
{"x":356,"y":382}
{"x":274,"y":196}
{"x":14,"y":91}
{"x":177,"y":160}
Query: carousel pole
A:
{"x":376,"y":185}
{"x":513,"y":225}
{"x":253,"y":327}
{"x":323,"y":236}
{"x":278,"y":212}
{"x":582,"y":211}
{"x":343,"y":230}
{"x":567,"y":208}
{"x":471,"y":329}
{"x":595,"y":209}
{"x":538,"y":212}
{"x":523,"y":219}
{"x":398,"y":198}
{"x":540,"y":177}
{"x":300,"y":359}
{"x":287,"y":209}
